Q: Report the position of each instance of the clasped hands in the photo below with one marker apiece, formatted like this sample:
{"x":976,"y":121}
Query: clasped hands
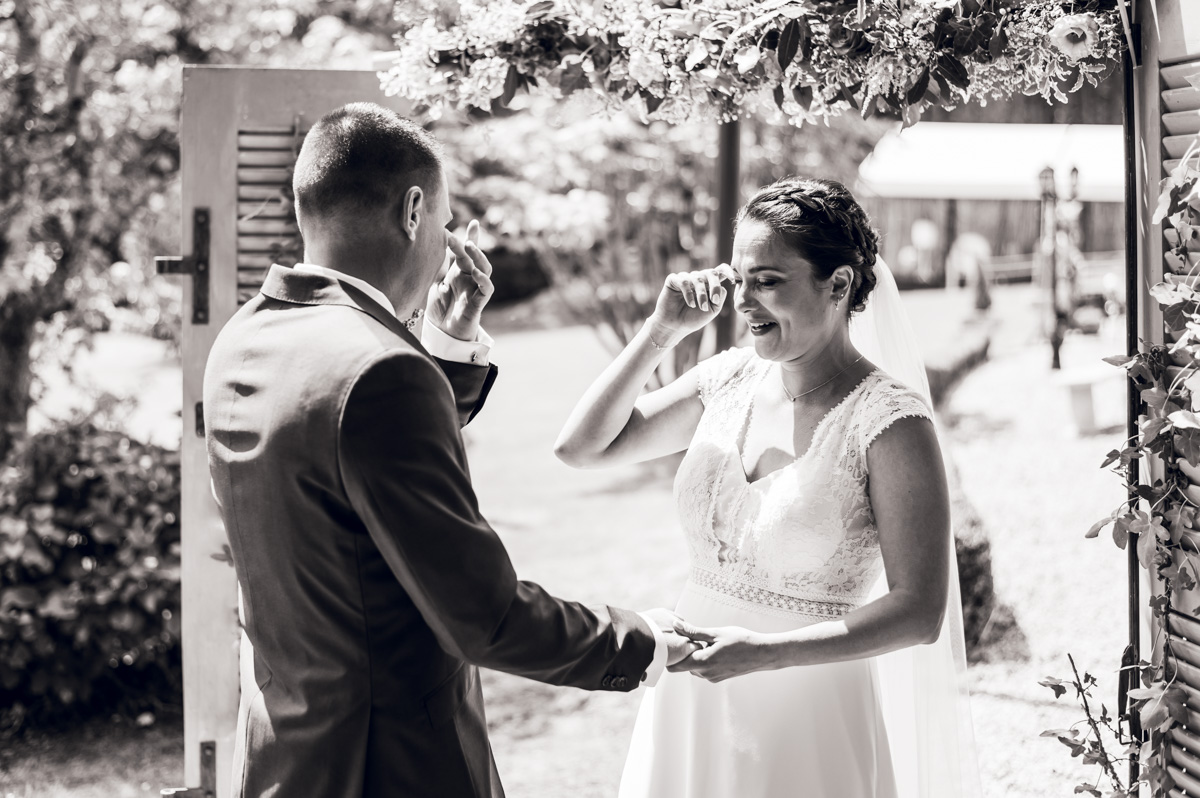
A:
{"x":714,"y":654}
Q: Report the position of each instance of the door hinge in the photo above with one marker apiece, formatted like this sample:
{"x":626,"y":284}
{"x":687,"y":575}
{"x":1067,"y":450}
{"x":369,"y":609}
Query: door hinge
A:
{"x":195,"y":264}
{"x":208,"y":776}
{"x":199,"y":419}
{"x":1129,"y":681}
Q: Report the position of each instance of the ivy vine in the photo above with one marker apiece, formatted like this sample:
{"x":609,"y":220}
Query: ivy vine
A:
{"x":1164,"y":513}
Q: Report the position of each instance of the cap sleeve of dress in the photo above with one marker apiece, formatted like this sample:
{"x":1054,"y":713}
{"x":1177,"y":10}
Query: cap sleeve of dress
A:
{"x":716,"y":371}
{"x":889,"y":402}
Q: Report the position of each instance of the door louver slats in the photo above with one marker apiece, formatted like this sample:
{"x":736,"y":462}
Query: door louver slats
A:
{"x":266,"y":218}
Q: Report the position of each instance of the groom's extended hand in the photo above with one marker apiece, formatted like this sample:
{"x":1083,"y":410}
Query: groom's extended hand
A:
{"x":679,"y":647}
{"x":730,"y":651}
{"x":457,"y":300}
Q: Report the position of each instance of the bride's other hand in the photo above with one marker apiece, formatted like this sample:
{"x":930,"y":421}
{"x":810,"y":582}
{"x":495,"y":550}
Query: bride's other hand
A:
{"x":690,"y":300}
{"x":730,"y":651}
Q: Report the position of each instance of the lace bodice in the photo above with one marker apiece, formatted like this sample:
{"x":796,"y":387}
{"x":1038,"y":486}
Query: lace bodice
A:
{"x":802,"y":539}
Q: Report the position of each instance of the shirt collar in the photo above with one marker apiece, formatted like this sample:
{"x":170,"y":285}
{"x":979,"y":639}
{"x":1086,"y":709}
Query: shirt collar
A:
{"x":357,"y":282}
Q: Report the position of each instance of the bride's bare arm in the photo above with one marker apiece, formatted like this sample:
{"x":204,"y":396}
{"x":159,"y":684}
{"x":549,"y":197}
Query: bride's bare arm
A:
{"x":613,"y":423}
{"x":910,"y":500}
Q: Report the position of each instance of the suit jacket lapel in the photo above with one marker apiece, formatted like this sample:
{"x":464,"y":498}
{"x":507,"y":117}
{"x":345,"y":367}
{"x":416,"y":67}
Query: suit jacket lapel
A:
{"x":309,"y":288}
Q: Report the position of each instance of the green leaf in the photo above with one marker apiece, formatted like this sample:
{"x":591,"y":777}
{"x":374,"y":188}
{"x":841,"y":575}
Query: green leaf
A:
{"x":696,"y":56}
{"x":1118,"y":360}
{"x":789,"y":43}
{"x":1167,"y":294}
{"x":998,"y":43}
{"x":1059,"y":690}
{"x":747,"y":58}
{"x":1184,"y":419}
{"x":1094,"y":530}
{"x":919,"y":88}
{"x":803,"y":94}
{"x":512,"y":81}
{"x":953,"y":70}
{"x":1146,"y":546}
{"x":1120,"y":531}
{"x":539,"y":10}
{"x":1062,"y":734}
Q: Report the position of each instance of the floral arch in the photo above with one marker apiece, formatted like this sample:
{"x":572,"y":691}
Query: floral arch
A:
{"x":804,"y":60}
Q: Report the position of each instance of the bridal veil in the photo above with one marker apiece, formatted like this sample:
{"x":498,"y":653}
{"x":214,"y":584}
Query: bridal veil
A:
{"x":923,"y":688}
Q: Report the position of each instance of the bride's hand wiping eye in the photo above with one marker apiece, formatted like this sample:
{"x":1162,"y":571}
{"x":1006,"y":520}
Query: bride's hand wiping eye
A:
{"x":690,"y":300}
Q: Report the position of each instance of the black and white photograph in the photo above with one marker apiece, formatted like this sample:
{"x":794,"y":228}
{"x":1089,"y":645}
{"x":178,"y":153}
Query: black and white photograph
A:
{"x":599,"y":398}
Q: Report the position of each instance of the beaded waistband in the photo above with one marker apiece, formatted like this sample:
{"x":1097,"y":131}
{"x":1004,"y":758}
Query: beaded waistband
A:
{"x":758,"y":598}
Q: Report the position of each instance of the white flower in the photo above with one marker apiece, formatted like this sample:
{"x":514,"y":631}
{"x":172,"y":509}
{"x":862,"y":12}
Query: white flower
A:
{"x":646,"y":68}
{"x":1076,"y":35}
{"x":484,"y":81}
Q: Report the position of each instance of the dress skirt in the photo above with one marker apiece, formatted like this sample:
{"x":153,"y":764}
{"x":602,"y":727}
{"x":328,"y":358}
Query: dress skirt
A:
{"x":800,"y":732}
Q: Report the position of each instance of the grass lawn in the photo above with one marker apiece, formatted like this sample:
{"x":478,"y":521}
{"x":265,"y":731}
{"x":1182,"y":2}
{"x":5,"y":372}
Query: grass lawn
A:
{"x":611,"y":536}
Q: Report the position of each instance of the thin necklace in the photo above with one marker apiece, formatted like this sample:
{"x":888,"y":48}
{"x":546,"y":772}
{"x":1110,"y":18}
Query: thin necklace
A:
{"x":822,"y":385}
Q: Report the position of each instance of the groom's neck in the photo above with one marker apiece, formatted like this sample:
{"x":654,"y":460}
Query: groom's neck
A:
{"x":374,"y":262}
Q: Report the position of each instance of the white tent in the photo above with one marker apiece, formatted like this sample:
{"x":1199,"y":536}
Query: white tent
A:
{"x":959,"y":160}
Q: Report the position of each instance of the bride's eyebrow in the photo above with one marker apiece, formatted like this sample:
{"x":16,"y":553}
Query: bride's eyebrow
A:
{"x":765,"y":268}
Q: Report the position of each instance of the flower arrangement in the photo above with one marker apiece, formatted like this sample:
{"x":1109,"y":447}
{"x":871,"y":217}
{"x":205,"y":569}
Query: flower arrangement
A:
{"x":1164,"y":515}
{"x":807,"y":59}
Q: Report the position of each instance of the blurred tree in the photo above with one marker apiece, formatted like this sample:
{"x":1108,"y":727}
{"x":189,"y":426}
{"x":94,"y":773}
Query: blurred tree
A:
{"x":89,"y":94}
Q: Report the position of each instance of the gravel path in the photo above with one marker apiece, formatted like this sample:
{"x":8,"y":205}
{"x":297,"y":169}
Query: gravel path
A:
{"x":1037,"y":485}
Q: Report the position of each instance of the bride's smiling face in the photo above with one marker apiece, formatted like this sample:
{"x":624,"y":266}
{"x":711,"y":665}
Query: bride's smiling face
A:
{"x":792,"y":314}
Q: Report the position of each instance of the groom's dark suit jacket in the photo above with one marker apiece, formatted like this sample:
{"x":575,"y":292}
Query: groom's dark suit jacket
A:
{"x":371,"y":585}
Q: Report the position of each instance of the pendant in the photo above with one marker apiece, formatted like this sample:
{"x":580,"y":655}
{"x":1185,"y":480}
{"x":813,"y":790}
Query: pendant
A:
{"x":412,"y":321}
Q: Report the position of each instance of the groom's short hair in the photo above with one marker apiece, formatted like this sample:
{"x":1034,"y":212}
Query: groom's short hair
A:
{"x":360,"y":158}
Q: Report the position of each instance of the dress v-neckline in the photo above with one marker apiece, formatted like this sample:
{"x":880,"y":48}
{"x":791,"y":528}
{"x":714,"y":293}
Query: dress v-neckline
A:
{"x":739,"y":440}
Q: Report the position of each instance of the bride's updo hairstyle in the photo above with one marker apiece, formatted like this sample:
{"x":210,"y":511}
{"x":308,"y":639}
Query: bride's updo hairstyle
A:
{"x":824,"y":224}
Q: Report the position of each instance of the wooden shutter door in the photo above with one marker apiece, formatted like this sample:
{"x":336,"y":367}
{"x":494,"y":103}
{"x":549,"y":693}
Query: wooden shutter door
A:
{"x":239,"y":133}
{"x":1168,"y":120}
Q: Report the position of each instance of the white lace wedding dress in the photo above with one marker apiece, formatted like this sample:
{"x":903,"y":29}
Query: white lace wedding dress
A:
{"x":796,"y":547}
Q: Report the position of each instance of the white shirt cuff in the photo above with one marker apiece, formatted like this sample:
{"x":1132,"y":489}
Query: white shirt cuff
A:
{"x":442,"y":345}
{"x":659,"y":663}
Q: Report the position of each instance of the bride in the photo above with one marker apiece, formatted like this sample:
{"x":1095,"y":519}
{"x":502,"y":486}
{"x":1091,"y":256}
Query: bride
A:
{"x":814,"y":502}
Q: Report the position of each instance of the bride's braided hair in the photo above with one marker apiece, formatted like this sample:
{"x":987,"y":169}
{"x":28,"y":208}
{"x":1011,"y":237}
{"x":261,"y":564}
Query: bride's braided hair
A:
{"x":822,"y":221}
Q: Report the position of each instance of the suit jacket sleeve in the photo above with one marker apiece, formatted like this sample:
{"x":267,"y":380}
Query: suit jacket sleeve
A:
{"x":471,"y":386}
{"x":405,"y":473}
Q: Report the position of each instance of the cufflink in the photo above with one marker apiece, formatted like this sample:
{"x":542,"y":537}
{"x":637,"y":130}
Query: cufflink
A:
{"x":474,"y":356}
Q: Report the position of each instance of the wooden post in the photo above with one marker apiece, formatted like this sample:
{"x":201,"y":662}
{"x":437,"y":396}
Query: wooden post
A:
{"x":728,"y":202}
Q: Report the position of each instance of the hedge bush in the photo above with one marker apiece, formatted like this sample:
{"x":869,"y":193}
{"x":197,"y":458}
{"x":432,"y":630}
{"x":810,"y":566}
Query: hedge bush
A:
{"x":89,"y":576}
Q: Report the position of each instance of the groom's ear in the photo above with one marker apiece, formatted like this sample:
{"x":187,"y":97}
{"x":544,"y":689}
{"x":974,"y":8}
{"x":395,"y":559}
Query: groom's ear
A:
{"x":412,"y":209}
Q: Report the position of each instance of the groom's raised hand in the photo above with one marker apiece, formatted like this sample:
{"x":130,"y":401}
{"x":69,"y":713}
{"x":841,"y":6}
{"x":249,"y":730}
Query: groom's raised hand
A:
{"x":456,"y":301}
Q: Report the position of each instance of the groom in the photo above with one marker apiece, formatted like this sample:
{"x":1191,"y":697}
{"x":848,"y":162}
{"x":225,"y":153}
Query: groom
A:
{"x":371,"y":586}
